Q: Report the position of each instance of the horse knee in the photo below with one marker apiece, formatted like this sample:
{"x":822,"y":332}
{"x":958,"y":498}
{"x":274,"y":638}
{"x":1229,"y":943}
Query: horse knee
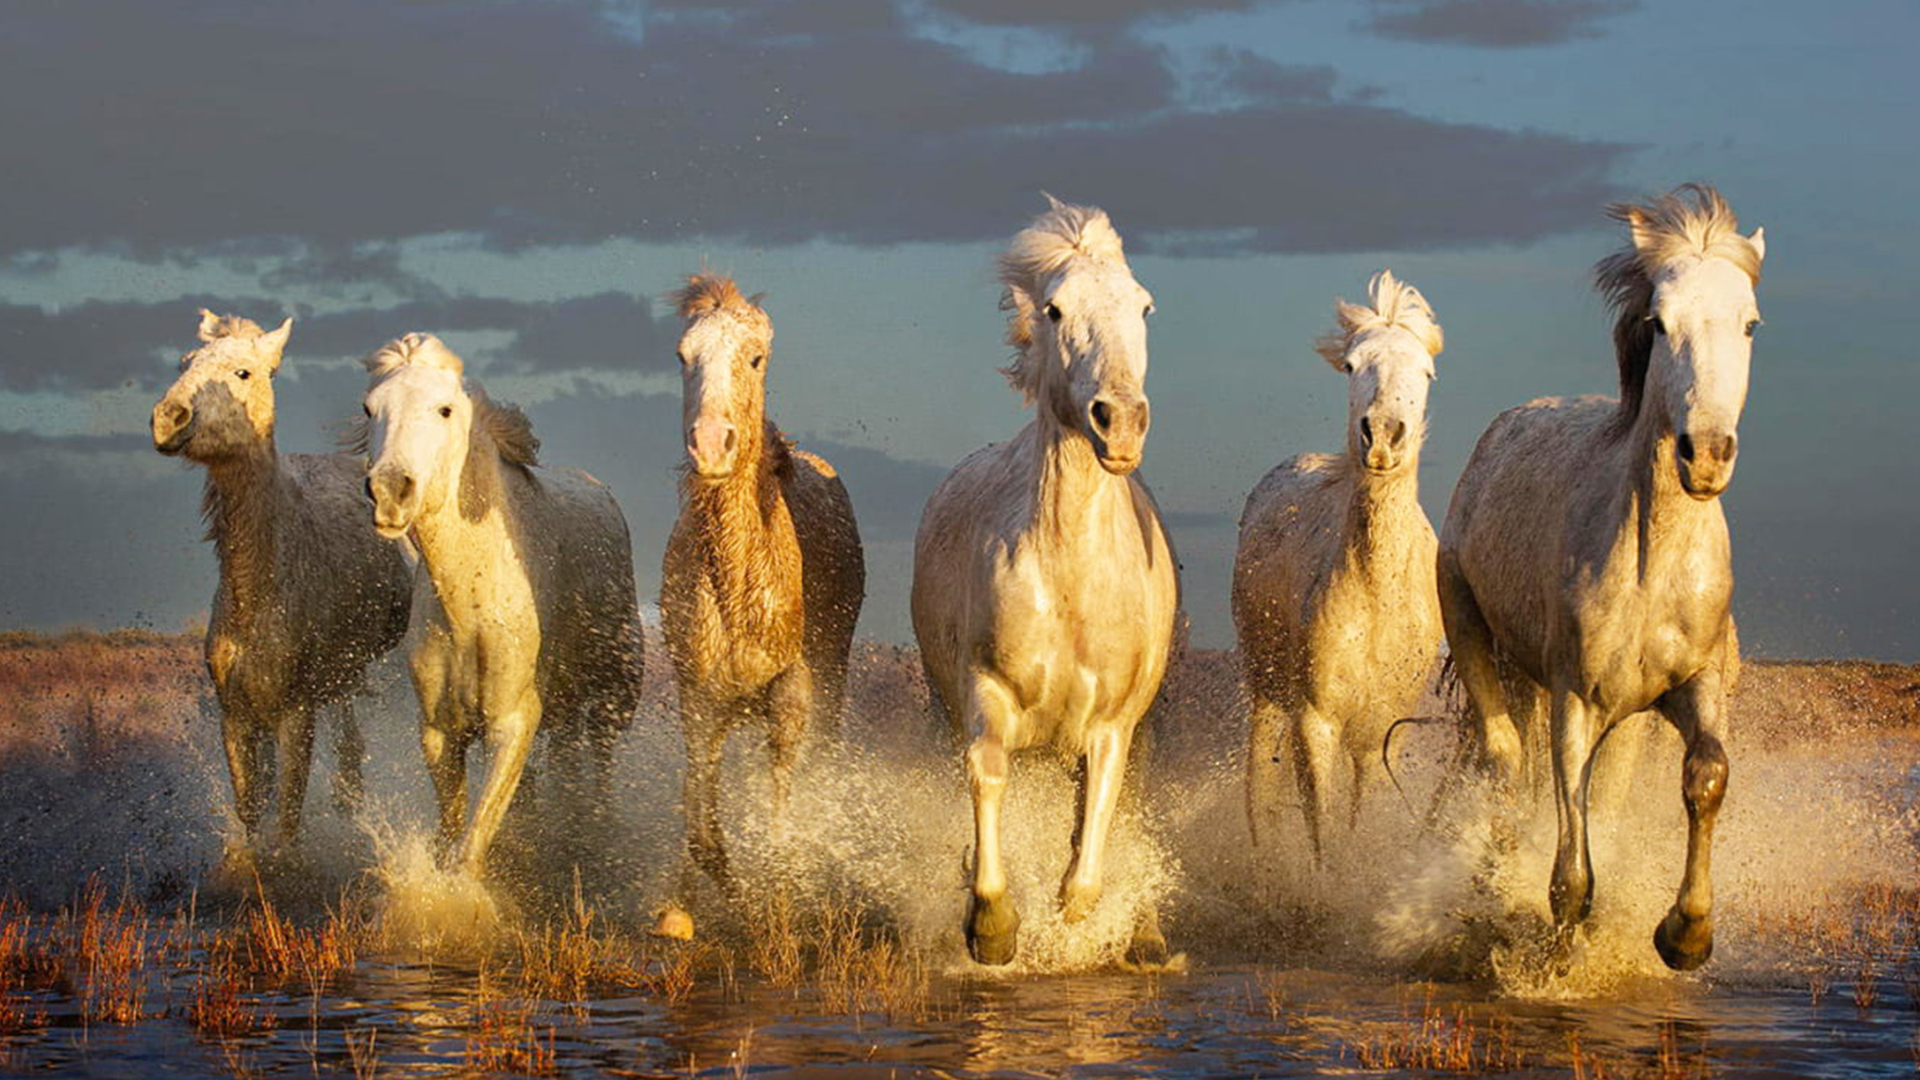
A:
{"x":1704,"y":781}
{"x":987,"y":765}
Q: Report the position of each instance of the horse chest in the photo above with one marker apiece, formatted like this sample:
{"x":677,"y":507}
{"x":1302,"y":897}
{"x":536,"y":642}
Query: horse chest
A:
{"x":1640,"y":638}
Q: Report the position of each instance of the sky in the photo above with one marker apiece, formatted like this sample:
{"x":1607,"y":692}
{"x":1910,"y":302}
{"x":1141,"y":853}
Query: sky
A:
{"x":527,"y":178}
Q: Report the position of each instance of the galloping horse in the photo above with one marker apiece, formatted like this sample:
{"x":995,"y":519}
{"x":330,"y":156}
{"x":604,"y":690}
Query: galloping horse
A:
{"x":1044,"y":589}
{"x":763,"y":575}
{"x":308,"y":594}
{"x":1333,"y":593}
{"x":524,"y":614}
{"x":1586,"y":550}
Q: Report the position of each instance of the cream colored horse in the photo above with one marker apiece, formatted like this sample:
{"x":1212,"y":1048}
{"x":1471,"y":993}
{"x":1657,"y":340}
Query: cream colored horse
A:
{"x":1333,"y":592}
{"x":308,"y":594}
{"x":1587,"y":551}
{"x":763,"y":576}
{"x":525,"y":614}
{"x":1044,"y":589}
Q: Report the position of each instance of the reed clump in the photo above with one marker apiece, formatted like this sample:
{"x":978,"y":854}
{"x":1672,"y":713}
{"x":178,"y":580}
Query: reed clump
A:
{"x":1443,"y":1041}
{"x":505,"y":1037}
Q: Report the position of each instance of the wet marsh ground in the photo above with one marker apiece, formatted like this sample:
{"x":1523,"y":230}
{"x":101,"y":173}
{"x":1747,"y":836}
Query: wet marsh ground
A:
{"x":120,"y":955}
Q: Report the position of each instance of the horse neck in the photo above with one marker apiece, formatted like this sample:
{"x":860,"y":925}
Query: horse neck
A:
{"x":1070,"y":489}
{"x":244,"y":505}
{"x":1660,"y":514}
{"x":1383,"y":515}
{"x":742,"y":531}
{"x":460,"y":541}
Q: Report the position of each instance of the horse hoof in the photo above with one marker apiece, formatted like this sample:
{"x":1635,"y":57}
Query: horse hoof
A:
{"x":1078,"y":903}
{"x":674,"y":923}
{"x":1683,"y":943}
{"x":993,"y":931}
{"x":1147,"y":951}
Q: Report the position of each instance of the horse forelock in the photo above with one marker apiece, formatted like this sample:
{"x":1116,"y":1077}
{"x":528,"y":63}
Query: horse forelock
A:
{"x":411,"y":350}
{"x":214,"y":326}
{"x":1391,"y":303}
{"x":1039,"y":253}
{"x":706,"y":294}
{"x":1690,"y":221}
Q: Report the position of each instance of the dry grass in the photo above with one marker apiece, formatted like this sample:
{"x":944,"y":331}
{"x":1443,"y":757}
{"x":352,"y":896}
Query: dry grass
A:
{"x":505,"y":1038}
{"x":221,"y":1009}
{"x":1444,"y":1042}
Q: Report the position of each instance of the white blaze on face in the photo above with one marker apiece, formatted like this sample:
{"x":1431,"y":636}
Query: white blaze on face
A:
{"x":722,"y":364}
{"x":418,"y":420}
{"x":1704,"y":314}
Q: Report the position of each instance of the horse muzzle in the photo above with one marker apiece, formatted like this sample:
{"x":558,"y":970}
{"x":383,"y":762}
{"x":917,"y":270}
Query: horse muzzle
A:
{"x":396,"y":502}
{"x":1706,"y":463}
{"x":710,"y":448}
{"x":1117,"y":428}
{"x":172,"y":427}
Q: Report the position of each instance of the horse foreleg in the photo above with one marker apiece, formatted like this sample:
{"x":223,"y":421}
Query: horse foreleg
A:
{"x":1106,"y":770}
{"x":790,"y":704}
{"x":993,"y":924}
{"x":241,"y":734}
{"x":1313,"y":743}
{"x":1698,"y":709}
{"x":350,"y":755}
{"x":510,"y":734}
{"x":445,"y":749}
{"x":293,"y":753}
{"x":1264,"y":796}
{"x":1571,"y":893}
{"x":706,"y":842}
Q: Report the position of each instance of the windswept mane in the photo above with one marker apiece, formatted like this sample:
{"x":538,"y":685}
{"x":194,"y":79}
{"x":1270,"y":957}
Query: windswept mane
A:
{"x":704,"y":294}
{"x":508,"y":427}
{"x":1394,"y":303}
{"x":1039,"y":252}
{"x":1693,"y":219}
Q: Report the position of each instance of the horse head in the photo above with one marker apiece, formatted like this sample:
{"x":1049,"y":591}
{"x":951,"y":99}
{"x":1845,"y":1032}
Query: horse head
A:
{"x":723,"y":368}
{"x":1079,"y":321}
{"x":1683,"y":293}
{"x":419,"y":421}
{"x":1386,"y":351}
{"x":222,"y":403}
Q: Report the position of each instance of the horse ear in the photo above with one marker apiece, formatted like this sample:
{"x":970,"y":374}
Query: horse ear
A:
{"x":1641,"y":227}
{"x":209,"y":322}
{"x":1759,"y":242}
{"x":1053,"y":203}
{"x":274,"y":342}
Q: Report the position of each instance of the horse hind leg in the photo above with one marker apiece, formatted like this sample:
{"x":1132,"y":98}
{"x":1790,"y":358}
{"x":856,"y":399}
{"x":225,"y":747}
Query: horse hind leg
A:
{"x":1474,"y":656}
{"x":1697,"y":708}
{"x":350,"y":755}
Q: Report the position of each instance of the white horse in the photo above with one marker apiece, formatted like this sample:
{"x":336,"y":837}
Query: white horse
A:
{"x":308,"y":595}
{"x":1586,"y":551}
{"x":525,"y":613}
{"x":1044,"y":589}
{"x":1333,"y":590}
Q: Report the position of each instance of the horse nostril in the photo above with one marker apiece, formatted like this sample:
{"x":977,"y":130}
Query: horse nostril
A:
{"x":1729,"y":443}
{"x":1396,"y":432}
{"x":404,"y":488}
{"x":733,"y":437}
{"x":1102,"y":414}
{"x":1686,"y":448}
{"x":1366,"y":432}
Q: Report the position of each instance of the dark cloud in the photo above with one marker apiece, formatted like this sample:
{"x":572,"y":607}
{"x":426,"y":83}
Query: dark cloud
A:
{"x":1503,"y":24}
{"x":1082,"y":12}
{"x":336,"y":128}
{"x":101,"y":344}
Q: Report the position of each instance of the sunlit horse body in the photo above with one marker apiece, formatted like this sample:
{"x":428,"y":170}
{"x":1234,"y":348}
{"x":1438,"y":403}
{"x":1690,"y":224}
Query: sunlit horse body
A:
{"x":524,"y":615}
{"x":762,"y":579}
{"x":1333,"y":586}
{"x":308,"y":594}
{"x":1586,"y":552}
{"x":1044,"y":589}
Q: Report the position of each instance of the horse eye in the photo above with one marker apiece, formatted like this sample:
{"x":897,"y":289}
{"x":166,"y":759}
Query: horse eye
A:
{"x":1146,"y":311}
{"x":446,"y":410}
{"x":244,"y":373}
{"x":760,"y":359}
{"x":1053,"y":311}
{"x":682,"y":357}
{"x":368,"y":409}
{"x":1659,"y":328}
{"x":1752,"y":325}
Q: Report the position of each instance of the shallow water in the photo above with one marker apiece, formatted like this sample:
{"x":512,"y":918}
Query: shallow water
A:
{"x":1409,"y":947}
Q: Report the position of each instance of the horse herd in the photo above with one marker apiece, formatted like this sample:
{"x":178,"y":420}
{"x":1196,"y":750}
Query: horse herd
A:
{"x":1582,"y":574}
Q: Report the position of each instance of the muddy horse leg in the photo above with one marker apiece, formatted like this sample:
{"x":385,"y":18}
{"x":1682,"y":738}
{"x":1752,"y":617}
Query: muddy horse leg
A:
{"x":1698,"y":709}
{"x":350,"y":755}
{"x":293,"y":753}
{"x":1571,"y":892}
{"x":241,"y":734}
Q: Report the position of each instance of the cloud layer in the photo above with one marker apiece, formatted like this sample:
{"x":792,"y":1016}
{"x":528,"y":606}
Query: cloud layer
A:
{"x":534,"y":122}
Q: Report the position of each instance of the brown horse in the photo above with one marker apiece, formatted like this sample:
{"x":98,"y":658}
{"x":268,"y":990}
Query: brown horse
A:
{"x":763,"y":576}
{"x":1586,"y":556}
{"x":308,"y":593}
